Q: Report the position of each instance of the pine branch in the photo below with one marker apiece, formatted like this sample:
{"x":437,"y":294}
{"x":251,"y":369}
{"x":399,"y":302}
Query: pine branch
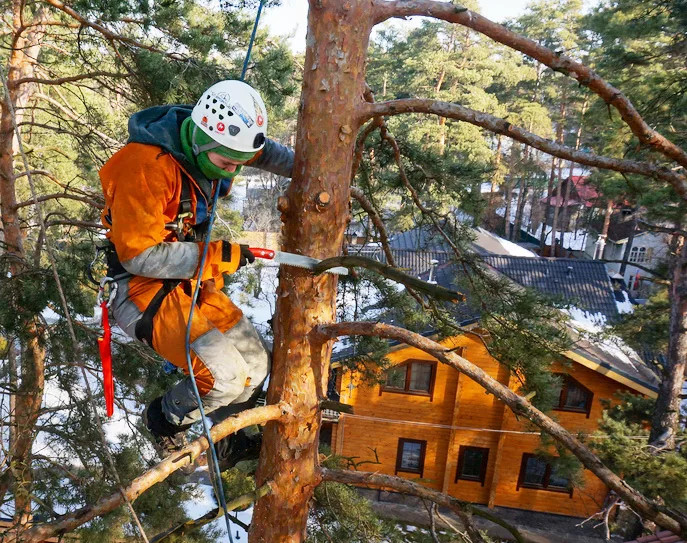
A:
{"x":584,"y":75}
{"x":108,"y":33}
{"x":237,"y":503}
{"x":668,"y":519}
{"x":435,"y":291}
{"x":501,"y":126}
{"x":70,"y":521}
{"x":68,"y":79}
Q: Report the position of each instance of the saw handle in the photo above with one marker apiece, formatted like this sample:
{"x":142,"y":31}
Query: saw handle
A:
{"x":259,"y":252}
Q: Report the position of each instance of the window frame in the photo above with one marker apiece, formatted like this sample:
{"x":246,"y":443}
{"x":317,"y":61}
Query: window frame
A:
{"x":399,"y":456}
{"x":563,"y":396}
{"x":483,"y":469}
{"x":547,"y":477}
{"x":408,"y":364}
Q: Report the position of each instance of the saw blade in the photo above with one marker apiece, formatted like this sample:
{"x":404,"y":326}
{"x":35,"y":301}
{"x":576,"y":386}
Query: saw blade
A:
{"x":307,"y":262}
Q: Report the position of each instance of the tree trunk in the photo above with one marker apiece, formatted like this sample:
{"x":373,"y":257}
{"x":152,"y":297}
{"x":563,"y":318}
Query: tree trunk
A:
{"x":556,"y":208}
{"x":578,"y":138}
{"x":29,"y":392}
{"x":522,"y":198}
{"x":601,"y":242}
{"x":338,"y":34}
{"x":666,"y":417}
{"x":628,"y":245}
{"x":549,"y":193}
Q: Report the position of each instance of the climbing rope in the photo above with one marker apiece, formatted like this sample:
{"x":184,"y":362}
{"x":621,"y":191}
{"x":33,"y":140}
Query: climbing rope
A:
{"x":67,"y":313}
{"x":214,"y":467}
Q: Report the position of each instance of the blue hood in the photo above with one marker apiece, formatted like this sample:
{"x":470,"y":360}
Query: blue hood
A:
{"x":161,"y":126}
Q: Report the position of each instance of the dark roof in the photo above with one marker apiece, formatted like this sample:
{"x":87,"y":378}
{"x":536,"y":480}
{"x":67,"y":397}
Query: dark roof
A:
{"x":582,"y":283}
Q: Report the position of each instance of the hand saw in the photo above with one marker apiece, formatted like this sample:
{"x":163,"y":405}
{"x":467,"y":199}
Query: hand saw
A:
{"x":291,"y":259}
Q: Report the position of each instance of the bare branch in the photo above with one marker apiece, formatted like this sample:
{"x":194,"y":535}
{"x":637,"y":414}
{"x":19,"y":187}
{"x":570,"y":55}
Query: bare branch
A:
{"x":74,"y":222}
{"x":160,"y":472}
{"x":59,"y":196}
{"x":668,"y":519}
{"x":376,"y":220}
{"x":69,"y":79}
{"x":501,"y":126}
{"x":405,"y":486}
{"x":447,"y":11}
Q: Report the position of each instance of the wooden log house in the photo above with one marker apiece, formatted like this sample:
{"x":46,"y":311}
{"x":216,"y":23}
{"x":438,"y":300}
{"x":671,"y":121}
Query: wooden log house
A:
{"x":428,"y":422}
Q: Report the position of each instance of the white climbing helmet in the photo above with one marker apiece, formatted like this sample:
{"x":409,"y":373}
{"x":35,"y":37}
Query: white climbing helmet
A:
{"x":233,"y":114}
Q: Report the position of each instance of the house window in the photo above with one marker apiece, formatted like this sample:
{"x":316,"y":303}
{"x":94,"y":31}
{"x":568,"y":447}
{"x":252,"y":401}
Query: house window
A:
{"x":638,"y":255}
{"x":411,"y":378}
{"x":574,"y":396}
{"x":540,"y":474}
{"x":411,"y":456}
{"x":472,"y":464}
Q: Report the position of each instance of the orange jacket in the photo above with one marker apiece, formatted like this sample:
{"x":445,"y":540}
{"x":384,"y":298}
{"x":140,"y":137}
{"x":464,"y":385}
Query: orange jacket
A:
{"x":142,"y":189}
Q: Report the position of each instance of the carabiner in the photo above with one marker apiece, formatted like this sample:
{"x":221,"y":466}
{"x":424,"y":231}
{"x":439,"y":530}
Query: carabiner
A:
{"x":101,"y":291}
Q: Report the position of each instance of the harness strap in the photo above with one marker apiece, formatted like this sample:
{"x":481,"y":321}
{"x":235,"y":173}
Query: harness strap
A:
{"x":144,"y":326}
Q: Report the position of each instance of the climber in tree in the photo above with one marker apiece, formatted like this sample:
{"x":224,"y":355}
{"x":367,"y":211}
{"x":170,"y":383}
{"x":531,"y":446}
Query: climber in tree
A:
{"x":158,"y":190}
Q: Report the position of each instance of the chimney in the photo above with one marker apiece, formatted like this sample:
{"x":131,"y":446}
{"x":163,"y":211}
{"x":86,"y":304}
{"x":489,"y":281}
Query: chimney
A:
{"x":569,"y":271}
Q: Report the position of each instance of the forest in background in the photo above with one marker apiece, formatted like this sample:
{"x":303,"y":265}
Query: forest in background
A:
{"x":73,"y":74}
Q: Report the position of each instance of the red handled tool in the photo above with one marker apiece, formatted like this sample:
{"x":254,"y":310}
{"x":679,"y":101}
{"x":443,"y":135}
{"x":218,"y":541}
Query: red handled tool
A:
{"x":291,"y":259}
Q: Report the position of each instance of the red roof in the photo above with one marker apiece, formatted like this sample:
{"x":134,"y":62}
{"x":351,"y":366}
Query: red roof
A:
{"x":659,"y":537}
{"x":587,"y":193}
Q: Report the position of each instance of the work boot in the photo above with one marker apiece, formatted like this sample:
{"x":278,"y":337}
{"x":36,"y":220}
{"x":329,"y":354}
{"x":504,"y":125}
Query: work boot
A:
{"x":238,"y":447}
{"x":169,"y":438}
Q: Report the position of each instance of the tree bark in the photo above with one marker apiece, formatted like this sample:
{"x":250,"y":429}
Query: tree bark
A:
{"x":333,"y":86}
{"x":668,"y":519}
{"x":584,"y":75}
{"x":665,"y":422}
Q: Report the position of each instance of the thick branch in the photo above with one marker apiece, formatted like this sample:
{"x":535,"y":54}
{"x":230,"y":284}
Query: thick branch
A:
{"x":435,"y":291}
{"x":405,"y":486}
{"x":501,"y":126}
{"x":160,"y":472}
{"x":668,"y":519}
{"x":450,"y":12}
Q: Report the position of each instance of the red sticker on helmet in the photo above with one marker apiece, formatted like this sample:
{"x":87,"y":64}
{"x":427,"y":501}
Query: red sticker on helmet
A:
{"x":220,"y":127}
{"x":260,"y":120}
{"x":204,"y":121}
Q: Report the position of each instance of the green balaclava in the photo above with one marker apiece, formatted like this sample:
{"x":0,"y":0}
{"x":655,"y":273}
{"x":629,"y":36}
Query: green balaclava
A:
{"x":201,"y":160}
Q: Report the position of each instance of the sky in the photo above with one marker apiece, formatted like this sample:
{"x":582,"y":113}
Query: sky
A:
{"x":291,"y":17}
